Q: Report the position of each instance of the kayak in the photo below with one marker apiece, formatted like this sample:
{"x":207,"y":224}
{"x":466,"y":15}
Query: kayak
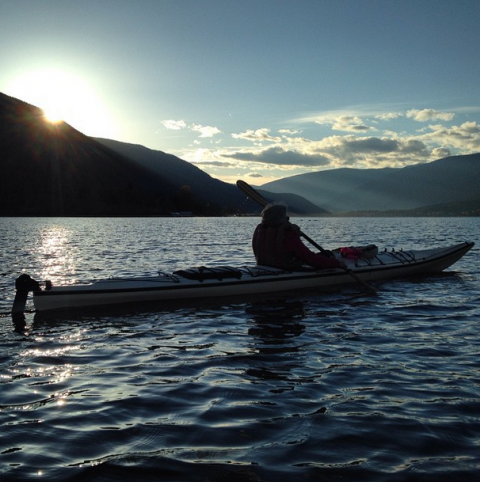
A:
{"x":226,"y":281}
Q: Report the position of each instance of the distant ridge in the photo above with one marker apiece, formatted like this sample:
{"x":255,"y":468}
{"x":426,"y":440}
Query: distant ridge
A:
{"x":410,"y":189}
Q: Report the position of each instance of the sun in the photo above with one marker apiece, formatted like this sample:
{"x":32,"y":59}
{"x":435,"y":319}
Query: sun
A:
{"x":67,"y":97}
{"x":53,"y":115}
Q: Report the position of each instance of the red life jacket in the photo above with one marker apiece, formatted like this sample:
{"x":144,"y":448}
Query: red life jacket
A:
{"x":269,"y":248}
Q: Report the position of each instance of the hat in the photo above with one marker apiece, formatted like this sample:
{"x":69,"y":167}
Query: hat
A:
{"x":274,"y":214}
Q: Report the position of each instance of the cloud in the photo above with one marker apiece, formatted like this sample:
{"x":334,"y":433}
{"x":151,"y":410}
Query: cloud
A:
{"x":275,"y":153}
{"x":354,"y":119}
{"x":174,"y":125}
{"x":370,"y":152}
{"x":336,"y":151}
{"x":281,"y":157}
{"x":206,"y":131}
{"x":373,"y":144}
{"x":378,"y":151}
{"x":347,"y":123}
{"x":412,"y":146}
{"x":441,"y":152}
{"x":470,"y":128}
{"x":465,"y":137}
{"x":426,"y":115}
{"x":388,"y":116}
{"x":258,"y":135}
{"x":207,"y":163}
{"x":350,"y":124}
{"x":290,"y":132}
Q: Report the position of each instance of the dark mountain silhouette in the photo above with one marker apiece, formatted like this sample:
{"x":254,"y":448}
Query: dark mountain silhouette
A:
{"x":419,"y":188}
{"x":186,"y":178}
{"x":203,"y":187}
{"x":54,"y":170}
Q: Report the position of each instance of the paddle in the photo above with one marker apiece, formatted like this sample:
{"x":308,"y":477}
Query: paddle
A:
{"x":257,"y":197}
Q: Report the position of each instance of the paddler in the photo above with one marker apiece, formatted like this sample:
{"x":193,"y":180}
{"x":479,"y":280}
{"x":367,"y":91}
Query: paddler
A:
{"x":276,"y":242}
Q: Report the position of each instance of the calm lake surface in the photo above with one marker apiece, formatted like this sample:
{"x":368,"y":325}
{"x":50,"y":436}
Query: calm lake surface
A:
{"x":343,"y":386}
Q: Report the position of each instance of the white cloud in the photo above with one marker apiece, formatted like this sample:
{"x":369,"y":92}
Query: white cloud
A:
{"x":174,"y":125}
{"x":351,"y":117}
{"x":354,"y":119}
{"x":347,"y":123}
{"x":388,"y":116}
{"x":206,"y":131}
{"x":465,"y":137}
{"x":350,"y":124}
{"x":290,"y":132}
{"x":258,"y":135}
{"x":471,"y":127}
{"x":426,"y":115}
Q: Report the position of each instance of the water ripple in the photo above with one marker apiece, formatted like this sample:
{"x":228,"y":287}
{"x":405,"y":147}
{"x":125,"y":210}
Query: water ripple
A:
{"x":321,"y":386}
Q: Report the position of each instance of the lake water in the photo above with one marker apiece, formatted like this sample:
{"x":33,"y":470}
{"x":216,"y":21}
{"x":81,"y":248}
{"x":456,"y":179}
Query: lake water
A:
{"x":343,"y":386}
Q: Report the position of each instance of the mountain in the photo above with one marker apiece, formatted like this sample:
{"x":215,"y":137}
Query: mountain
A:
{"x":54,"y":170}
{"x":188,"y":180}
{"x":203,"y":187}
{"x":453,"y":180}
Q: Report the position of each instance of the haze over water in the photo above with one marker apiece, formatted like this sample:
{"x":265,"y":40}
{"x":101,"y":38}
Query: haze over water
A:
{"x":317,"y":386}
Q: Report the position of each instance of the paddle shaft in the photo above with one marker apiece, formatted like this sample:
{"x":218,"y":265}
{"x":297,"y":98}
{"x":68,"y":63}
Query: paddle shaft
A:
{"x":256,"y":196}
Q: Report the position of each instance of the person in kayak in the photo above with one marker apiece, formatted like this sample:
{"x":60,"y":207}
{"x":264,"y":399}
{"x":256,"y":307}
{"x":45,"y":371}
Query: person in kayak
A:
{"x":276,"y":242}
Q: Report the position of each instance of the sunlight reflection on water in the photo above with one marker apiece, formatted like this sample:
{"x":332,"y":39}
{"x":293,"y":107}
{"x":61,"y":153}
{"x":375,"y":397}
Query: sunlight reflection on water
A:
{"x":56,"y":252}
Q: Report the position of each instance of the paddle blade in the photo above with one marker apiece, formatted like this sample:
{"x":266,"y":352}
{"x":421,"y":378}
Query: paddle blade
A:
{"x":251,"y":193}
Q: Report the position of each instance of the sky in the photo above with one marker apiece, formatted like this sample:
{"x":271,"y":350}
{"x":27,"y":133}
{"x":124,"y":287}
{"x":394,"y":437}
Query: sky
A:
{"x":254,"y":89}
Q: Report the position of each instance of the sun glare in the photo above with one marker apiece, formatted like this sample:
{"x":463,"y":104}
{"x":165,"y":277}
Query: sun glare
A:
{"x":64,"y":97}
{"x":53,"y":115}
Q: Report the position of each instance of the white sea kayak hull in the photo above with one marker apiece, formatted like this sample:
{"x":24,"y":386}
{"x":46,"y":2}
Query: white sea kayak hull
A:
{"x":242,"y":281}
